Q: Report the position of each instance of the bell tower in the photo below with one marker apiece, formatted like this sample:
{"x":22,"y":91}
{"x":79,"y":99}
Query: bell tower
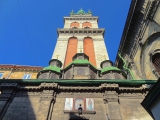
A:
{"x":81,"y":34}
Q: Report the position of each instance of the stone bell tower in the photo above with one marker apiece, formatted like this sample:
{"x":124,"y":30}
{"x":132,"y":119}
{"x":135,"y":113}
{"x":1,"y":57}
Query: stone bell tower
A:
{"x":81,"y":34}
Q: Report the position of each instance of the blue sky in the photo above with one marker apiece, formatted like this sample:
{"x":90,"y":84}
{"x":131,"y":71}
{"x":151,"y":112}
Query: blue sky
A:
{"x":28,"y":27}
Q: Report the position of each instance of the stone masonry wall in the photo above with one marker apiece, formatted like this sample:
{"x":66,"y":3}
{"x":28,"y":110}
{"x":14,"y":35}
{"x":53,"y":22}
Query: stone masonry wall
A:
{"x":143,"y":67}
{"x":27,"y":108}
{"x":58,"y":113}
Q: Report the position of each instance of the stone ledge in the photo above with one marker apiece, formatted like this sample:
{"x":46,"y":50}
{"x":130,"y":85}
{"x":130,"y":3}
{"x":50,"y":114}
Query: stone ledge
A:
{"x":76,"y":111}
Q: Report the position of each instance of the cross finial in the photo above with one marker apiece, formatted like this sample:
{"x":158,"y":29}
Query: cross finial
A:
{"x":57,"y":56}
{"x":104,"y":56}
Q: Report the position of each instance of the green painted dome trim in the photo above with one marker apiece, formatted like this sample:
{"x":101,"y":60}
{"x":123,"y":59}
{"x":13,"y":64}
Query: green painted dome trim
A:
{"x":111,"y":68}
{"x":53,"y":68}
{"x":80,"y":62}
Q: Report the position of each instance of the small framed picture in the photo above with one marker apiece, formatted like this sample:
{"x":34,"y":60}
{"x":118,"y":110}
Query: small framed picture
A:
{"x":90,"y":104}
{"x":78,"y":102}
{"x":68,"y":104}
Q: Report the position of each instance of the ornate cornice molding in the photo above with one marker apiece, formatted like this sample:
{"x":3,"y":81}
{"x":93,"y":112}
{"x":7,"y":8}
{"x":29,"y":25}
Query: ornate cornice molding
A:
{"x":81,"y":31}
{"x":81,"y":18}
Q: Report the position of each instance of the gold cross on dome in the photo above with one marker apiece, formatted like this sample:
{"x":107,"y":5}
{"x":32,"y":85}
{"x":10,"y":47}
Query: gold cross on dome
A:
{"x":57,"y":56}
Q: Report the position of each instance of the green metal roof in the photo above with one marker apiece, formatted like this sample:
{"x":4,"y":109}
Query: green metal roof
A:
{"x":53,"y":68}
{"x":81,"y":62}
{"x":78,"y":82}
{"x":110,"y":68}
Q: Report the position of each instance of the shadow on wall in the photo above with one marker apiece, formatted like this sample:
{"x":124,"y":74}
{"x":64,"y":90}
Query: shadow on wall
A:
{"x":25,"y":102}
{"x":19,"y":105}
{"x":73,"y":116}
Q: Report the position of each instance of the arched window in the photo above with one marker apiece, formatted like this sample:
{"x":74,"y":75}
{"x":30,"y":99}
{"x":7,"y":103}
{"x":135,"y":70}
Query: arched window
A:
{"x":71,"y":50}
{"x":74,"y":24}
{"x":74,"y":27}
{"x":156,"y":62}
{"x":86,"y":27}
{"x":87,"y":24}
{"x":89,"y":49}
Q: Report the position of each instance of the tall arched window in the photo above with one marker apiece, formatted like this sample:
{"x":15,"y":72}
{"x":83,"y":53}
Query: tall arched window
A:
{"x":89,"y":49}
{"x":74,"y":25}
{"x":156,"y":62}
{"x":71,"y":50}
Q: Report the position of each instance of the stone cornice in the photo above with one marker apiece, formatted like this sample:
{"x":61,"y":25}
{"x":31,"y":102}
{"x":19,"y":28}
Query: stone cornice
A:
{"x":109,"y":89}
{"x":81,"y":31}
{"x":81,"y":18}
{"x":20,"y":67}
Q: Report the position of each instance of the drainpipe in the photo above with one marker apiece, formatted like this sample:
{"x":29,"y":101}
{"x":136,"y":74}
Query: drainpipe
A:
{"x":10,"y":72}
{"x":125,"y":67}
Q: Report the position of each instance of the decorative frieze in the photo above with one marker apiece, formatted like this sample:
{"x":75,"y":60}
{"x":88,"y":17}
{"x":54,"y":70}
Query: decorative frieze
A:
{"x":81,"y":18}
{"x":48,"y":85}
{"x":81,"y":30}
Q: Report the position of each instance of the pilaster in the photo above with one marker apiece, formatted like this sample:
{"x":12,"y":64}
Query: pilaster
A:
{"x":111,"y":100}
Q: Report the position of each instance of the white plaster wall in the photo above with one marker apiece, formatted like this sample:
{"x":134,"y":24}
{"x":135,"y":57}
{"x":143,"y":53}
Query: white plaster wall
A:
{"x":60,"y":50}
{"x":81,"y":36}
{"x":100,"y":50}
{"x":80,"y":45}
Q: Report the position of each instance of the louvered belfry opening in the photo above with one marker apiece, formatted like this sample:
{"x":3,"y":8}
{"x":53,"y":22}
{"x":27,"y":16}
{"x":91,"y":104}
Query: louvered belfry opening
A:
{"x":156,"y":62}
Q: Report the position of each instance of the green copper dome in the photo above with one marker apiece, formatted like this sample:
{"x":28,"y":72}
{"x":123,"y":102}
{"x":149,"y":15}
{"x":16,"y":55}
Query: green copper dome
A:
{"x":52,"y":68}
{"x":81,"y":11}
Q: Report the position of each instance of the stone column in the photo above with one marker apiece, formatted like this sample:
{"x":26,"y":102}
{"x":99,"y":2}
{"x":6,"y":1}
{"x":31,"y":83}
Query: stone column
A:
{"x":47,"y":100}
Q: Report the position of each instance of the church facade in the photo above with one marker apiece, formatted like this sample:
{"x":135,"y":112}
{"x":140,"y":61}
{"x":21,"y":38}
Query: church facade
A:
{"x":140,"y":42}
{"x":80,"y":81}
{"x":140,"y":48}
